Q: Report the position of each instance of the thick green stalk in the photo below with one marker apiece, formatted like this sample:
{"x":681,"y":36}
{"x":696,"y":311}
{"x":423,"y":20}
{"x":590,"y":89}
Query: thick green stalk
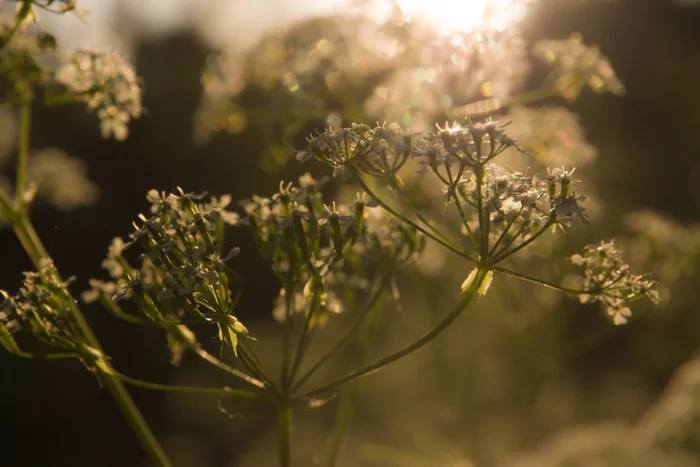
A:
{"x":23,"y":152}
{"x":284,"y":434}
{"x":34,"y":248}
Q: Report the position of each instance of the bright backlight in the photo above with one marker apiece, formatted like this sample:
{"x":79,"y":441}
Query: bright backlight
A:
{"x":452,"y":16}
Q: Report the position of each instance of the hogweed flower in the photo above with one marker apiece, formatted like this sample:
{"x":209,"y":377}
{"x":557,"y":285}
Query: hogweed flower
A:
{"x":379,"y":150}
{"x":109,"y":86}
{"x":610,"y":281}
{"x":323,"y":254}
{"x":578,"y":65}
{"x":468,"y":144}
{"x":183,"y":268}
{"x":42,"y":308}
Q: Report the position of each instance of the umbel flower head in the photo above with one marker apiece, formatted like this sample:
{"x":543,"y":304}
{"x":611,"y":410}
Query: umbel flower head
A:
{"x":378,"y":150}
{"x":183,"y":270}
{"x":109,"y":86}
{"x":41,"y":308}
{"x":465,"y":144}
{"x":323,"y":254}
{"x":611,"y":282}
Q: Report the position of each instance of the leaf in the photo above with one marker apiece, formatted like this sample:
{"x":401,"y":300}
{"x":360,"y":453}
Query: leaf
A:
{"x":7,"y":341}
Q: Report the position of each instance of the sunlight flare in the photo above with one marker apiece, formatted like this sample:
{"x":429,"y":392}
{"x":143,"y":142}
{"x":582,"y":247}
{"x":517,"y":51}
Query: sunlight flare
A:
{"x":466,"y":15}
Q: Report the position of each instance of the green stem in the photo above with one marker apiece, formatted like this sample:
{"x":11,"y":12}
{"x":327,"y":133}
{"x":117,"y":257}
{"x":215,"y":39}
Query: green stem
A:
{"x":206,"y":356}
{"x":483,"y":233}
{"x":284,"y":434}
{"x":25,"y":122}
{"x":467,"y":297}
{"x":340,"y":342}
{"x":303,"y":341}
{"x":348,"y":400}
{"x":404,"y":219}
{"x":534,"y":237}
{"x":225,"y":391}
{"x":544,"y":283}
{"x":34,"y":248}
{"x":503,"y":235}
{"x":18,"y":22}
{"x":462,"y":214}
{"x":255,"y":365}
{"x":44,"y":356}
{"x":197,"y":348}
{"x":135,"y":420}
{"x":398,"y":188}
{"x":342,"y":421}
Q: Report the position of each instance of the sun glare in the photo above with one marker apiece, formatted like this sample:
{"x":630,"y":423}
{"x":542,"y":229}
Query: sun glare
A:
{"x":453,"y":16}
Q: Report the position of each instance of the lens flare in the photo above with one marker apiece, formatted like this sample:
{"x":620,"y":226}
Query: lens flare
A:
{"x":453,"y":16}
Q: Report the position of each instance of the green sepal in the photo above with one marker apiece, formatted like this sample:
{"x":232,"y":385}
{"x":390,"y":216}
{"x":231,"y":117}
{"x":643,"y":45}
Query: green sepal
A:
{"x":7,"y":341}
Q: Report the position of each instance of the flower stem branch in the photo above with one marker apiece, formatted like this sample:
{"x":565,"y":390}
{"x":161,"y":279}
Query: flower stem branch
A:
{"x":340,"y":342}
{"x":544,"y":283}
{"x":348,"y":399}
{"x":533,"y":237}
{"x":403,"y":218}
{"x":417,"y":344}
{"x":225,"y":391}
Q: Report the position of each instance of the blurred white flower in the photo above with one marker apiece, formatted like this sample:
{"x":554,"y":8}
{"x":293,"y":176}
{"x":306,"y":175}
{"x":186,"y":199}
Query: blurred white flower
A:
{"x":108,"y":84}
{"x":62,"y":179}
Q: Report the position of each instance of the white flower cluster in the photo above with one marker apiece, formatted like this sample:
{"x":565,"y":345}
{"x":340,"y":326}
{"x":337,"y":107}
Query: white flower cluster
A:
{"x":380,"y":150}
{"x":610,"y":281}
{"x":108,"y":84}
{"x":41,"y":308}
{"x":183,"y":267}
{"x":62,"y":179}
{"x":323,"y":254}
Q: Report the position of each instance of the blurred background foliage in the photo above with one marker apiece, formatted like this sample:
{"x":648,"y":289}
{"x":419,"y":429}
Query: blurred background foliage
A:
{"x":526,"y":378}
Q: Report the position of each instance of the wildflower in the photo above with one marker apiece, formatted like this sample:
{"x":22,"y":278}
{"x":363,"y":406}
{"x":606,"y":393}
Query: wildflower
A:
{"x":467,"y":144}
{"x":183,"y":265}
{"x":41,"y":308}
{"x":108,"y":84}
{"x":380,"y":151}
{"x":610,"y":282}
{"x":62,"y":179}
